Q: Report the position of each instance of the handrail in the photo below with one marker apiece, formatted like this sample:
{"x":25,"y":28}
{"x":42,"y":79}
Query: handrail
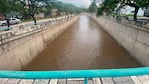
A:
{"x":74,"y":73}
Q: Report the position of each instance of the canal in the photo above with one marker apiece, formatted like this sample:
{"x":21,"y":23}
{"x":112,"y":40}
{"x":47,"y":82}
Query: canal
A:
{"x":85,"y":45}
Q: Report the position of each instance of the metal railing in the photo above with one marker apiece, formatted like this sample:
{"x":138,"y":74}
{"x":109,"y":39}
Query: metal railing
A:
{"x":86,"y":74}
{"x":126,"y":21}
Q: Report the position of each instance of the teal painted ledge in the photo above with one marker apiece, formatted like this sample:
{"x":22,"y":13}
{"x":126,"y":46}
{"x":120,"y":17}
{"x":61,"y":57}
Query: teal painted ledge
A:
{"x":74,"y":73}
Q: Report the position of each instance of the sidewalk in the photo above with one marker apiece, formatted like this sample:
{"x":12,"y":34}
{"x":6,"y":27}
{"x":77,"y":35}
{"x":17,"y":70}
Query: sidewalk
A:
{"x":116,"y":80}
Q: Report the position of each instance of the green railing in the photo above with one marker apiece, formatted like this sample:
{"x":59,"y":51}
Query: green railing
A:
{"x":5,"y":28}
{"x":75,"y":73}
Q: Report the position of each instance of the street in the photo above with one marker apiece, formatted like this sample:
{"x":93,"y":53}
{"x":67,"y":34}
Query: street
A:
{"x":28,"y":24}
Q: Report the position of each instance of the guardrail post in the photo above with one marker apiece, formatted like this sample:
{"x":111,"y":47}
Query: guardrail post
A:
{"x":85,"y":80}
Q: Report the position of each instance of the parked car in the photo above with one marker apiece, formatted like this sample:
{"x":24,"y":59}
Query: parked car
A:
{"x":3,"y":23}
{"x":146,"y":12}
{"x":11,"y":21}
{"x":14,"y":20}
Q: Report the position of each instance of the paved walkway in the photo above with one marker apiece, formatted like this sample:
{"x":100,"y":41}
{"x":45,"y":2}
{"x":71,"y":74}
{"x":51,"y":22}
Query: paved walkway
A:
{"x":117,"y":80}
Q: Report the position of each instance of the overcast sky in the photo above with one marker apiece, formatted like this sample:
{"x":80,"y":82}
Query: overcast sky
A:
{"x":80,"y":3}
{"x":86,"y":3}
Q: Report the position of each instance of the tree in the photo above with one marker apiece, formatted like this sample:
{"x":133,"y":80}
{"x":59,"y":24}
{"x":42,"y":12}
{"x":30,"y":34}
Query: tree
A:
{"x":28,"y":8}
{"x":33,"y":7}
{"x":116,"y":5}
{"x":9,"y":6}
{"x":64,"y":8}
{"x":93,"y":7}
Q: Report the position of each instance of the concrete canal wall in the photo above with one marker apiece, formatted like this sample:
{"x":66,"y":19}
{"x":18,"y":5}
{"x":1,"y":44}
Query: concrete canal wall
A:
{"x":17,"y":53}
{"x":132,"y":38}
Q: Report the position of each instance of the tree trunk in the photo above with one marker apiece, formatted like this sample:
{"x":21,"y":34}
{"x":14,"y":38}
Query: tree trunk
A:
{"x":135,"y":13}
{"x":35,"y":21}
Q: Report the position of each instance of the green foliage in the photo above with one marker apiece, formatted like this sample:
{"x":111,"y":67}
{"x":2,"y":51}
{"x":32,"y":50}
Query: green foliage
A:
{"x":32,"y":7}
{"x":111,"y":6}
{"x":28,"y":8}
{"x":63,"y":7}
{"x":9,"y":6}
{"x":92,"y":7}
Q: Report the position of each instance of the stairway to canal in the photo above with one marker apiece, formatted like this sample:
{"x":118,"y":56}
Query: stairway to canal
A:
{"x":84,"y":45}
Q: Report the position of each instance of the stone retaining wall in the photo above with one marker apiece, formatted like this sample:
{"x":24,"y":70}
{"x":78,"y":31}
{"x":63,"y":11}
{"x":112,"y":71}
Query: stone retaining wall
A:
{"x":15,"y":54}
{"x":133,"y":39}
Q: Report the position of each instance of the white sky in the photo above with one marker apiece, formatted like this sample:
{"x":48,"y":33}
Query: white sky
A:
{"x":80,"y":3}
{"x":86,"y":3}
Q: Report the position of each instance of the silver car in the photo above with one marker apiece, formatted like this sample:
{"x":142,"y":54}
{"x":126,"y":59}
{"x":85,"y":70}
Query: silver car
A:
{"x":3,"y":23}
{"x":11,"y":21}
{"x":14,"y":21}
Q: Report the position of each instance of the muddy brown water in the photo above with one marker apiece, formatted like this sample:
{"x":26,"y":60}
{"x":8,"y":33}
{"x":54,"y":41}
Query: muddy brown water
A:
{"x":85,"y":45}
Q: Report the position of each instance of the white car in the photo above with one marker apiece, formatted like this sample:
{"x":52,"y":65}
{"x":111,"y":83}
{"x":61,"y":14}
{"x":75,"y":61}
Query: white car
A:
{"x":11,"y":21}
{"x":14,"y":21}
{"x":3,"y":23}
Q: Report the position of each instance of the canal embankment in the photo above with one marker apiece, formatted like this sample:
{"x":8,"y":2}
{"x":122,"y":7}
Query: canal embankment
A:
{"x":133,"y":38}
{"x":18,"y":50}
{"x":84,"y":45}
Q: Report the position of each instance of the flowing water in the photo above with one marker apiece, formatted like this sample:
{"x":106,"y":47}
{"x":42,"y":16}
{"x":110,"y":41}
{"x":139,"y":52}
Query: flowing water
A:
{"x":85,"y":45}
